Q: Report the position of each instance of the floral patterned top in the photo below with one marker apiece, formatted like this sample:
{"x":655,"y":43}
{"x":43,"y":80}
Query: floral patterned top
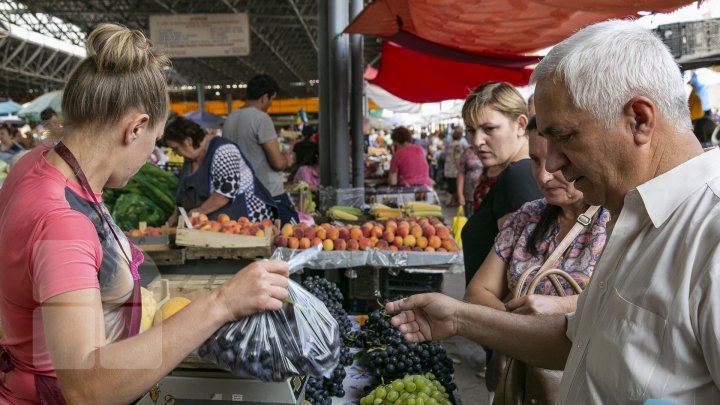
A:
{"x":579,"y":261}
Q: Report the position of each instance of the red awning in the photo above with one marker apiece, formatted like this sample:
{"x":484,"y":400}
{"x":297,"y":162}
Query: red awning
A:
{"x":422,"y":78}
{"x":494,"y":27}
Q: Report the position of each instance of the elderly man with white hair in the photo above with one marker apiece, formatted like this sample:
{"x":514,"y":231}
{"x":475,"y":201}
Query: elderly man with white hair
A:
{"x":611,"y":103}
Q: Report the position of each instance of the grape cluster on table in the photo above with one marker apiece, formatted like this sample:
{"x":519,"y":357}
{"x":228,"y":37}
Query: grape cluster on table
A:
{"x":320,"y":390}
{"x":409,"y":390}
{"x":388,"y":356}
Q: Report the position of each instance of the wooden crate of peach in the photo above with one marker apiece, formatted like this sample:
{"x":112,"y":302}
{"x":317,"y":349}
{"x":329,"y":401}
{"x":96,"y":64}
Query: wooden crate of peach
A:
{"x":225,"y":232}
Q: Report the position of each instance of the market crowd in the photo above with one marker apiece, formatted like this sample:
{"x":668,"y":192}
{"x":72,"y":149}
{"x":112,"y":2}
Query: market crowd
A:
{"x":586,"y":279}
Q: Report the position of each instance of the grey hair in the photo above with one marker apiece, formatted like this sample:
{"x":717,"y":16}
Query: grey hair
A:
{"x":606,"y":64}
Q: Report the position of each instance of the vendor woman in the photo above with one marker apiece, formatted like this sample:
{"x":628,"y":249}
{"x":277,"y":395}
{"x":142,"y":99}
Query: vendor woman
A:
{"x":70,"y":293}
{"x":216,"y":179}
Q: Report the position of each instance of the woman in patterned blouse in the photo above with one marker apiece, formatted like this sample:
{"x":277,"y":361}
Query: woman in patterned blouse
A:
{"x":216,"y":179}
{"x":529,"y":236}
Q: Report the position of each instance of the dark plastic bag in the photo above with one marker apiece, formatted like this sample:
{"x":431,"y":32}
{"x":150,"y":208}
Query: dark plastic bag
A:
{"x":302,"y":338}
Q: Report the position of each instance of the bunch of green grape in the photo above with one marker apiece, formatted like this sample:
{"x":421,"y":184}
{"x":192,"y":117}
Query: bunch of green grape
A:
{"x":409,"y":390}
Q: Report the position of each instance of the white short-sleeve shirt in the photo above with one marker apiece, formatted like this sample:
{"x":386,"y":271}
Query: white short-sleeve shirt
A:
{"x":648,"y":325}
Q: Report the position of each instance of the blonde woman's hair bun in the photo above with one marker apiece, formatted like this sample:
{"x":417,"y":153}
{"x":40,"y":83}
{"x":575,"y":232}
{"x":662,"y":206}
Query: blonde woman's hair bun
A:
{"x":118,"y":49}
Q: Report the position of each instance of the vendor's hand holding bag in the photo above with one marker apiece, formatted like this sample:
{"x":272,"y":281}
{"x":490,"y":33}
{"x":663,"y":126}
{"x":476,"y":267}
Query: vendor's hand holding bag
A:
{"x":521,"y":383}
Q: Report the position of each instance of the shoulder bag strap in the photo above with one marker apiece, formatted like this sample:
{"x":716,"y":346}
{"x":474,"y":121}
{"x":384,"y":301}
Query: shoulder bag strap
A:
{"x":581,"y":222}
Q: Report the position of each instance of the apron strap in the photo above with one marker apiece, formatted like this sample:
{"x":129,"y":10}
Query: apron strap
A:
{"x":69,"y":158}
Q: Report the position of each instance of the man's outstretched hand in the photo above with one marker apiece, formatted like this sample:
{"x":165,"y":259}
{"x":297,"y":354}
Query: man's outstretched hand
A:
{"x":425,"y":316}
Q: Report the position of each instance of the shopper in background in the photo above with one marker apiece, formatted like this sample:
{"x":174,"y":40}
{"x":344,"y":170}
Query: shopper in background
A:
{"x":498,"y":114}
{"x":409,"y":163}
{"x":215,"y":178}
{"x":453,"y":150}
{"x":526,"y":239}
{"x":308,"y":170}
{"x":8,"y":146}
{"x":612,"y":105}
{"x":470,"y":170}
{"x":703,"y":129}
{"x":305,"y":146}
{"x":25,"y":139}
{"x":434,"y":156}
{"x":70,"y":287}
{"x":252,"y":129}
{"x":51,"y":123}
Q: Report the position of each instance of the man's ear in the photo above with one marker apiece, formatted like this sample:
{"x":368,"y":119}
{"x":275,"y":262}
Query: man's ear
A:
{"x":641,"y":115}
{"x":135,"y":125}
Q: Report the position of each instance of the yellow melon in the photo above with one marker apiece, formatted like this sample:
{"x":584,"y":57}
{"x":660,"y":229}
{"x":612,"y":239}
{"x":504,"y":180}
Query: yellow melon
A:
{"x":169,"y":308}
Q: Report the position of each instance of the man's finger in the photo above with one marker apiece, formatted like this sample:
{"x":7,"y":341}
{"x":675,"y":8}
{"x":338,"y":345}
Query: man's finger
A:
{"x":390,"y":307}
{"x":409,"y":327}
{"x":402,"y":318}
{"x":415,"y":337}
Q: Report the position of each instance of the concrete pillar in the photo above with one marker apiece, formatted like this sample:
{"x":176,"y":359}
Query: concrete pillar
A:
{"x":324,"y":94}
{"x":356,"y":100}
{"x":338,"y":16}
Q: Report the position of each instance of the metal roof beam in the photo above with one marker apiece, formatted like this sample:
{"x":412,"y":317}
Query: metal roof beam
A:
{"x":12,"y":56}
{"x":305,"y":26}
{"x":267,"y":44}
{"x":62,"y":65}
{"x":35,"y":54}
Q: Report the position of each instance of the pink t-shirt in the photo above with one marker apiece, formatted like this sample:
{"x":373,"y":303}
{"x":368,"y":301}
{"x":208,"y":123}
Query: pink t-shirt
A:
{"x":410,"y":164}
{"x":50,"y":243}
{"x":308,"y":174}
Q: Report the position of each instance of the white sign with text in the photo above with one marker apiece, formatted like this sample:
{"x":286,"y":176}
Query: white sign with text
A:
{"x":201,"y":35}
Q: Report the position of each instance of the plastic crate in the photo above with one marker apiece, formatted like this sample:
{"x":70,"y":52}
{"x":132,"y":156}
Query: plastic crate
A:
{"x":694,"y":38}
{"x":364,"y":285}
{"x":404,"y":284}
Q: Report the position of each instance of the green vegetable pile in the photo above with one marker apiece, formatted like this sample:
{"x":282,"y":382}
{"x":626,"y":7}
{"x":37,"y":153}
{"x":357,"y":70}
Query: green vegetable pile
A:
{"x":149,"y":196}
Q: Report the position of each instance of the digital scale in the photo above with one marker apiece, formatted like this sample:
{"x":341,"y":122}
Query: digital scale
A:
{"x":215,"y":387}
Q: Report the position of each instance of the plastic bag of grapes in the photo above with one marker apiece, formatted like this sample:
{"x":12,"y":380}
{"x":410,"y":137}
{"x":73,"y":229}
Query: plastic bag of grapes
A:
{"x":302,"y":338}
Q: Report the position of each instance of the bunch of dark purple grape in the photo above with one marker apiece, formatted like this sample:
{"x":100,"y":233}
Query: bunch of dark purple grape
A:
{"x":329,"y":293}
{"x":388,"y":356}
{"x":302,"y":338}
{"x":320,"y":390}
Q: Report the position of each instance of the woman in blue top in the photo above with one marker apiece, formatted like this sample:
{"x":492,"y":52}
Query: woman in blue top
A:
{"x":8,"y":147}
{"x":216,"y":178}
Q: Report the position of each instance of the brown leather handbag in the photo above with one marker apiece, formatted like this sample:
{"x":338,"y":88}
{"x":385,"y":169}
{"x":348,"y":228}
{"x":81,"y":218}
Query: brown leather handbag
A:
{"x":521,"y":383}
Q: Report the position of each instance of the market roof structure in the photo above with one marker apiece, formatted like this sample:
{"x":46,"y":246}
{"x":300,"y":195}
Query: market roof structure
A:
{"x":283,"y":35}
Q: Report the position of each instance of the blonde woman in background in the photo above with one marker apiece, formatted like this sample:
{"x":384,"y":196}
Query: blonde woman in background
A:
{"x":498,"y":114}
